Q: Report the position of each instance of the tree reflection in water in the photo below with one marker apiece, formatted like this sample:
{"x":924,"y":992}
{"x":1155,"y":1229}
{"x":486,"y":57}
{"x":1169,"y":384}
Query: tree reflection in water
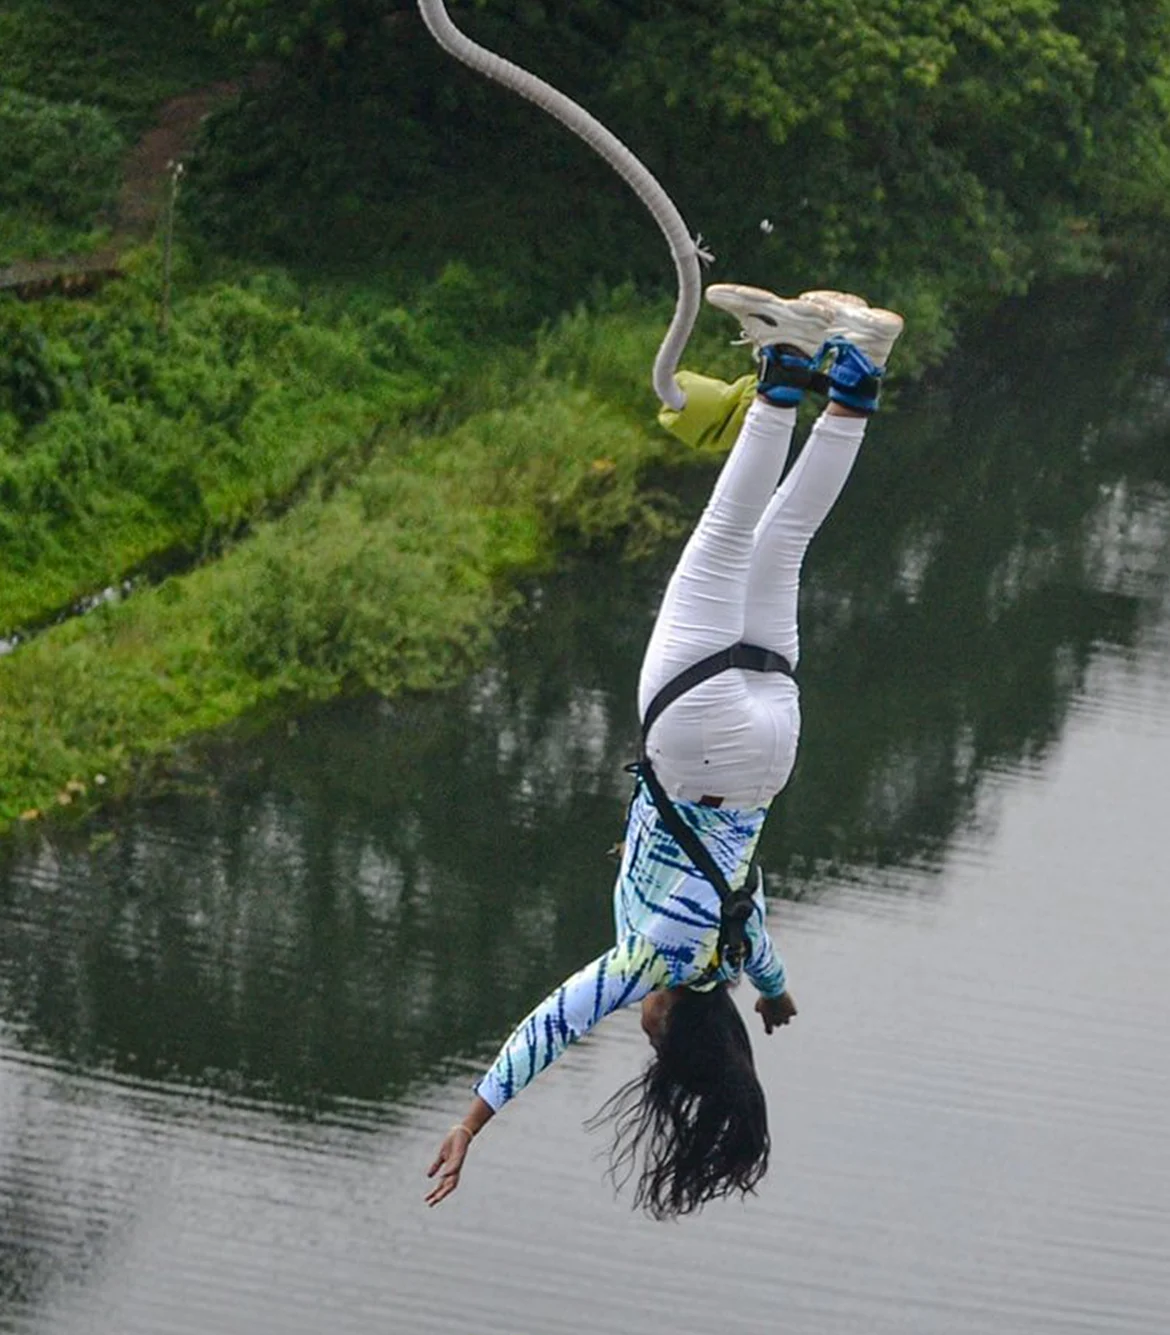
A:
{"x":335,"y":911}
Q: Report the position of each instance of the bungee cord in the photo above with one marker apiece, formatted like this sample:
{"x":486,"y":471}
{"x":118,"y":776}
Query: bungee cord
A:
{"x":686,"y":250}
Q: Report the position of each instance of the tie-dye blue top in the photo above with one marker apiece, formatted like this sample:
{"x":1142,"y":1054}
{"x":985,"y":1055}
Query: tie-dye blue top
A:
{"x":667,"y":918}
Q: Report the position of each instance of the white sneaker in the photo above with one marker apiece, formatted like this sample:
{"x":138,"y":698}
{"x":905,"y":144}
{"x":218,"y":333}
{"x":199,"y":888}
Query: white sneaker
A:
{"x":837,"y":300}
{"x":765,"y":318}
{"x":869,"y":328}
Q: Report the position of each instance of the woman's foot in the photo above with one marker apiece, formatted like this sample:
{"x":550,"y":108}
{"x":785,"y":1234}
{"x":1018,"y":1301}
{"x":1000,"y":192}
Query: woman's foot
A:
{"x":766,"y":319}
{"x":869,"y":328}
{"x":793,"y":336}
{"x":787,"y":334}
{"x":859,"y":343}
{"x":801,"y":321}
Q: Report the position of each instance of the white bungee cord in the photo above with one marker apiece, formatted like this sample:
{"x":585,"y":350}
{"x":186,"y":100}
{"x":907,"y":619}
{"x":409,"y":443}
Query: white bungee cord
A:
{"x":686,"y":250}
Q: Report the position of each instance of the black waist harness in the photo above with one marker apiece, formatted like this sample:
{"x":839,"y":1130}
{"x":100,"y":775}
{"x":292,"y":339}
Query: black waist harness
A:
{"x":736,"y":904}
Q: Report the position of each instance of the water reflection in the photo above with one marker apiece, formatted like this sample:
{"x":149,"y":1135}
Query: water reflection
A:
{"x":332,"y":913}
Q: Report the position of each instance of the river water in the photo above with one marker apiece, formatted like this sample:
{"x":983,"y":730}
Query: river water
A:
{"x":237,"y":1015}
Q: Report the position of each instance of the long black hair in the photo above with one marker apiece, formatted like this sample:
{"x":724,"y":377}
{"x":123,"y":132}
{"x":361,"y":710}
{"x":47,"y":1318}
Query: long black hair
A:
{"x":696,"y":1117}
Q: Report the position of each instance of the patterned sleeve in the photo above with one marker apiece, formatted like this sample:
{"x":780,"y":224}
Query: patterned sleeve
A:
{"x":623,"y":975}
{"x":763,"y":966}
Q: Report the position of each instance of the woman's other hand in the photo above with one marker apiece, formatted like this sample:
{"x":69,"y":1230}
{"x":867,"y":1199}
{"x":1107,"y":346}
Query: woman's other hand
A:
{"x":776,"y":1010}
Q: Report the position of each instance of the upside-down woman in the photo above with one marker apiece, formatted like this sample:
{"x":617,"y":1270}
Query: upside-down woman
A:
{"x":721,"y":721}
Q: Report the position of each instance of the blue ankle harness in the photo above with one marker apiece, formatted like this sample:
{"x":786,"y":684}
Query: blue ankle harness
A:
{"x":736,"y":905}
{"x":851,"y":379}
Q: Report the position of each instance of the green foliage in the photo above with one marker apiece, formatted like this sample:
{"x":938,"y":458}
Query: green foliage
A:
{"x":23,"y":237}
{"x":59,"y":159}
{"x":79,"y":79}
{"x":1127,"y":159}
{"x":31,"y":383}
{"x":395,"y":579}
{"x":112,"y":54}
{"x":286,"y":27}
{"x":119,"y":444}
{"x":388,"y":596}
{"x":966,"y":149}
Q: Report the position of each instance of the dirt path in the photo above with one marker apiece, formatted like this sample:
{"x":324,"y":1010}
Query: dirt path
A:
{"x":140,"y":200}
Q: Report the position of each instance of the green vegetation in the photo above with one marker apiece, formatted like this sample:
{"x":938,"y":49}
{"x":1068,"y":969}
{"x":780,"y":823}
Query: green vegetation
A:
{"x":119,"y":443}
{"x":394,"y":579}
{"x":962,"y":149}
{"x":77,"y":83}
{"x":368,"y":411}
{"x":59,"y":166}
{"x":120,"y":55}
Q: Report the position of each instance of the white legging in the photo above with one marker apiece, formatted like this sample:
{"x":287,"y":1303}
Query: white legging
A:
{"x":734,"y":737}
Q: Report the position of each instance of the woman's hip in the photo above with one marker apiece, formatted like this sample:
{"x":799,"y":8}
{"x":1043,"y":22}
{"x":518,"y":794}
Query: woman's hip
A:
{"x":731,"y":741}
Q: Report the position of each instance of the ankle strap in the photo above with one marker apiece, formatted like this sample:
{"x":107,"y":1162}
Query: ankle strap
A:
{"x":786,"y":372}
{"x":853,"y":379}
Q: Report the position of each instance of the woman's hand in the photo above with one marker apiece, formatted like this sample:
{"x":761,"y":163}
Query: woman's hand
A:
{"x":776,"y":1010}
{"x":449,"y":1163}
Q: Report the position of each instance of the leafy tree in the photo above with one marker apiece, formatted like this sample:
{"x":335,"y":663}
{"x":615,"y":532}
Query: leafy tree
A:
{"x":286,"y":27}
{"x":964,"y":148}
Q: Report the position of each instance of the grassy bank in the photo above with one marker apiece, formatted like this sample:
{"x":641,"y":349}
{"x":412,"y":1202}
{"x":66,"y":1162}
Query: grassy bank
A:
{"x":392,"y":579}
{"x":125,"y":447}
{"x":120,"y":442}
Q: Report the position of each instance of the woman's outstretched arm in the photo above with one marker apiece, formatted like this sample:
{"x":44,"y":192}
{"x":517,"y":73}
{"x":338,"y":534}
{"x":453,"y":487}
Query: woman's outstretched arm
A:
{"x":624,"y":975}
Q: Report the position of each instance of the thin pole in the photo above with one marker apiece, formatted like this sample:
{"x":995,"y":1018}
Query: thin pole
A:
{"x":176,"y":173}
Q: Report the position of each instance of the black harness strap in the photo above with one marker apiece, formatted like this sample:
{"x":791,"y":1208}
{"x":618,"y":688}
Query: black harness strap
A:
{"x":736,"y":905}
{"x":749,"y":656}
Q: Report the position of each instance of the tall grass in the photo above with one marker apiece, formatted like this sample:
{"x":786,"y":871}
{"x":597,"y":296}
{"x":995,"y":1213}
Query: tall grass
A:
{"x":119,"y":443}
{"x":393,"y":578}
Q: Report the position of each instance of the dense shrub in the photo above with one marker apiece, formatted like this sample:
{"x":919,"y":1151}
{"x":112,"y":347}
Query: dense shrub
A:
{"x":30,"y":385}
{"x":334,"y":597}
{"x":125,"y":56}
{"x":63,"y":159}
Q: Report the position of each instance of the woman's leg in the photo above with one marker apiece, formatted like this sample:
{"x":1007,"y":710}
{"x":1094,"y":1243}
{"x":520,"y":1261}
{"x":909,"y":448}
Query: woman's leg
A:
{"x":702,"y":743}
{"x":703,"y":607}
{"x":708,"y":739}
{"x":861,"y":339}
{"x":787,"y":527}
{"x":736,"y":735}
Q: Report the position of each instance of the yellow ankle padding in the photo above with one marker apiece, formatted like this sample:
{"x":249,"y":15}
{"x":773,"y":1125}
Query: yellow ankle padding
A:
{"x":713,"y":413}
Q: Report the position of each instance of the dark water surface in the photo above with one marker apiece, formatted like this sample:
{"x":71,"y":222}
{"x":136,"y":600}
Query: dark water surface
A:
{"x":235,"y":1019}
